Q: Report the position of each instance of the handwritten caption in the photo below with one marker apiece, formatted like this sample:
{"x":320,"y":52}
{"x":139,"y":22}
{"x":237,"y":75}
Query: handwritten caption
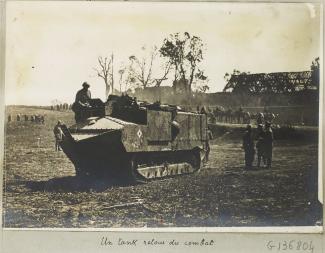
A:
{"x":271,"y":245}
{"x":105,"y":241}
{"x":290,"y":245}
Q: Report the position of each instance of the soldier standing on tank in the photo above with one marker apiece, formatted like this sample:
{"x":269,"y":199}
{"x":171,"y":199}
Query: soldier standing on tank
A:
{"x":83,"y":96}
{"x":260,"y":145}
{"x":268,"y":144}
{"x":82,"y":102}
{"x":248,"y":146}
{"x":58,"y":134}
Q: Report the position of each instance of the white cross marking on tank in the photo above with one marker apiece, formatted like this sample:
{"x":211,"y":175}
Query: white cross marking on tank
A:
{"x":139,"y":133}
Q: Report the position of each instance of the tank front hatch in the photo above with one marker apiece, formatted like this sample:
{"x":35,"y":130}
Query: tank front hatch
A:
{"x":96,"y":126}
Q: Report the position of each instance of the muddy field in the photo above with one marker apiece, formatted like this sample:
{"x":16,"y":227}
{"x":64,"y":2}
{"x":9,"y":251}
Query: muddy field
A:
{"x":41,"y":189}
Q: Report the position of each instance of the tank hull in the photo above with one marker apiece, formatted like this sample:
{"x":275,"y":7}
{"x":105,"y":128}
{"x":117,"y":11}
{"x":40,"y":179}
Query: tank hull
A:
{"x":91,"y":159}
{"x":153,"y":143}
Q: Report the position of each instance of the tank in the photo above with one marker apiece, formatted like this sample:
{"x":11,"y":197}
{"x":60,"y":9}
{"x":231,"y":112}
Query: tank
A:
{"x":135,"y":140}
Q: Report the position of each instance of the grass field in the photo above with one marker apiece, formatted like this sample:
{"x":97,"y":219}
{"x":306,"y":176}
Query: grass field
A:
{"x":41,"y":190}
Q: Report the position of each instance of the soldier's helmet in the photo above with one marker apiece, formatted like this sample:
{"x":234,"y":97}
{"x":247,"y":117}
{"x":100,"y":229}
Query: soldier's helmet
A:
{"x":85,"y":85}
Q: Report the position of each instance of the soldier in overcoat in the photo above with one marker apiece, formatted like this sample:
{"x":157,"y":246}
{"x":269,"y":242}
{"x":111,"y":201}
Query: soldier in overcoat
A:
{"x":248,"y":146}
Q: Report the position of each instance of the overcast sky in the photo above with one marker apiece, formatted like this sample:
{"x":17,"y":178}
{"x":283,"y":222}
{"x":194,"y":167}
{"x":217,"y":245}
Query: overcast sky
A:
{"x":52,"y":47}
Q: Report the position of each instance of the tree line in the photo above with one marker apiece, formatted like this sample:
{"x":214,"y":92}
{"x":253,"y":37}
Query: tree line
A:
{"x":177,"y":59}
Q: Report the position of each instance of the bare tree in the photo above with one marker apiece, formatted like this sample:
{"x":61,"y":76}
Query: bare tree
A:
{"x":141,"y":71}
{"x":166,"y":68}
{"x":112,"y":73}
{"x":105,"y":71}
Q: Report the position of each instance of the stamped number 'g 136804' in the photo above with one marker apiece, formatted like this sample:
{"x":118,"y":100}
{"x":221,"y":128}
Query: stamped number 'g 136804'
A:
{"x":290,"y":245}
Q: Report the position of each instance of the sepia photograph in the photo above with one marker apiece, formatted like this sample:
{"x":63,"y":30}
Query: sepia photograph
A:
{"x":162,"y":115}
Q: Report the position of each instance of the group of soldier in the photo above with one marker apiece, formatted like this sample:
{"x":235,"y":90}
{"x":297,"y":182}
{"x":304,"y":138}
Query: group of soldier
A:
{"x":262,"y":141}
{"x":61,"y":107}
{"x":36,"y":118}
{"x":238,"y":116}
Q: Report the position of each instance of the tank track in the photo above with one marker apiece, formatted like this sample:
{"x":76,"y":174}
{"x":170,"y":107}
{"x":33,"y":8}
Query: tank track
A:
{"x":146,"y":167}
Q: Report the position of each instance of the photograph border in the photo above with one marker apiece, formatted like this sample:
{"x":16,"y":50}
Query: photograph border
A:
{"x":209,"y":231}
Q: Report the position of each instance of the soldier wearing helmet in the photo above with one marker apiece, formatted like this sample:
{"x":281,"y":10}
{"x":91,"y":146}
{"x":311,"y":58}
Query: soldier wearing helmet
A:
{"x":207,"y":143}
{"x":268,"y":144}
{"x":58,"y":134}
{"x":260,"y":145}
{"x":248,"y":146}
{"x":83,"y":96}
{"x":82,"y":102}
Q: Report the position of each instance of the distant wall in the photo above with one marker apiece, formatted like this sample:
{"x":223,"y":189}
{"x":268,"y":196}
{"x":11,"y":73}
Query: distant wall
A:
{"x":226,"y":99}
{"x":297,"y":108}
